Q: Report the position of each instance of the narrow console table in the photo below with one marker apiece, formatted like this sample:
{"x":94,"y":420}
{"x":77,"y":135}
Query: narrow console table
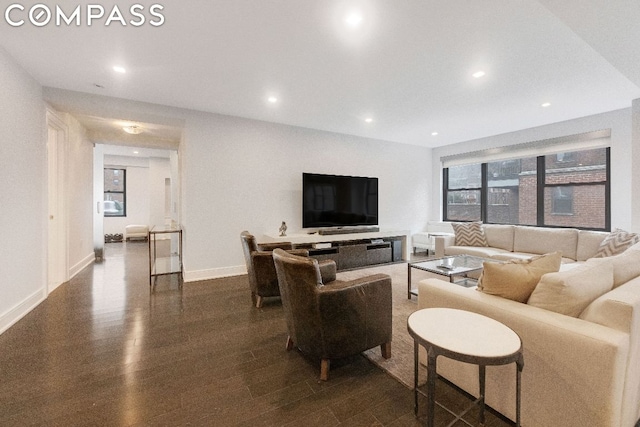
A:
{"x":164,"y":264}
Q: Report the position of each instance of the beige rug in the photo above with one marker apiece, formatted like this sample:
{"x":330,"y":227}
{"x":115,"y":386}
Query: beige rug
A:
{"x":400,"y":365}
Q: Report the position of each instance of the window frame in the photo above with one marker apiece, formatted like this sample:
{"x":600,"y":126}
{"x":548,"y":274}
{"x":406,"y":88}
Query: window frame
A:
{"x":542,"y":185}
{"x":123,"y":192}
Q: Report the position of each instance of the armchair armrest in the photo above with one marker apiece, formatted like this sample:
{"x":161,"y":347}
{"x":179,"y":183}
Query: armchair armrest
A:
{"x":287,"y":246}
{"x":263,"y":262}
{"x":328,"y":270}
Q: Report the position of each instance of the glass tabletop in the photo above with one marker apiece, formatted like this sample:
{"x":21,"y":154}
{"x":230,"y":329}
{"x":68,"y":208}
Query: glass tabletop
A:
{"x":451,"y":265}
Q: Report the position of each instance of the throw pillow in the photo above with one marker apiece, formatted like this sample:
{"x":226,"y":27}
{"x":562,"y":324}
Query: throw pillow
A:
{"x":570,"y":292}
{"x":626,"y":266}
{"x":469,"y":234}
{"x":616,"y":242}
{"x":516,"y":279}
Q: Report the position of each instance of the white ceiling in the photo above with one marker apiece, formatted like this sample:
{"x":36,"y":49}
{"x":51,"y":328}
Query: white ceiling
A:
{"x":408,"y":65}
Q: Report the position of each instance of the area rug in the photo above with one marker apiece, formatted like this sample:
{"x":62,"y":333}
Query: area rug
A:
{"x":400,"y":365}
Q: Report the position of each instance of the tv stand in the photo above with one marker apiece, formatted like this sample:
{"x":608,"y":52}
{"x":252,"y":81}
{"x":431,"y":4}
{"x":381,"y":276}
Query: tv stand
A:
{"x":352,"y":250}
{"x":344,"y":230}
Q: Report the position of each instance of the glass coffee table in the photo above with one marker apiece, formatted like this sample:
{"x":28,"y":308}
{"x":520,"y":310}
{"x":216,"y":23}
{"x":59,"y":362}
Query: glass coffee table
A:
{"x":455,"y":267}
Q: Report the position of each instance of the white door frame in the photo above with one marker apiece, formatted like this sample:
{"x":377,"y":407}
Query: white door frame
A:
{"x":57,"y":222}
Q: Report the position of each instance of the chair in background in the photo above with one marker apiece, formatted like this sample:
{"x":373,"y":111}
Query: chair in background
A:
{"x":263,"y":280}
{"x":331,"y":319}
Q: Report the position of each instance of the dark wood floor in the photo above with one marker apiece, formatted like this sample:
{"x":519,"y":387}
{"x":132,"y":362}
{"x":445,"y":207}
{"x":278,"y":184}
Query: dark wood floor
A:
{"x":102,"y":350}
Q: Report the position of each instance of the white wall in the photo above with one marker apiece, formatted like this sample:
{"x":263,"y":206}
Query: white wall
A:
{"x":80,"y":195}
{"x":23,"y":176}
{"x":619,"y":122}
{"x":635,"y":160}
{"x":159,"y":172}
{"x":145,"y":191}
{"x":244,"y":174}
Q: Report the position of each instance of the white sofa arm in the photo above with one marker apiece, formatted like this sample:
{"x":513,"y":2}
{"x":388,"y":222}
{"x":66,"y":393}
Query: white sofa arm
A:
{"x":441,"y":242}
{"x":574,"y":370}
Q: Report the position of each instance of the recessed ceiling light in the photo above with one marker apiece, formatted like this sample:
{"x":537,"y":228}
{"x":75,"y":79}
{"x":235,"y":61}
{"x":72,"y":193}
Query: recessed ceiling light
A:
{"x":368,"y":120}
{"x":546,"y":104}
{"x":133,"y":129}
{"x":136,"y":152}
{"x":272,"y":99}
{"x":478,"y":74}
{"x":353,"y":19}
{"x":119,"y":69}
{"x":434,"y":133}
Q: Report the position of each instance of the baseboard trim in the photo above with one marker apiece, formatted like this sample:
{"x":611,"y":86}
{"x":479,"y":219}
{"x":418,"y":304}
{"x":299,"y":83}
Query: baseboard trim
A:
{"x":214,"y":273}
{"x":84,"y":263}
{"x":12,"y":316}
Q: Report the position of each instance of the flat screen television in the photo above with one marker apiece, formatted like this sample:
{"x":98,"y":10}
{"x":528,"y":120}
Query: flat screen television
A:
{"x":338,"y":201}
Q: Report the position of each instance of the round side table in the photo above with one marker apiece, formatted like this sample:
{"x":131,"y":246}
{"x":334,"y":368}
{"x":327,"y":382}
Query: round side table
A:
{"x":466,"y":337}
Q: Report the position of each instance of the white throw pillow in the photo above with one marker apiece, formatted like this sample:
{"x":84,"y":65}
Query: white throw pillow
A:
{"x":570,"y":292}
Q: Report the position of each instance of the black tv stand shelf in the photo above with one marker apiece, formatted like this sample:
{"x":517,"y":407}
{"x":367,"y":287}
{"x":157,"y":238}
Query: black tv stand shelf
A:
{"x":351,"y":250}
{"x":358,"y":253}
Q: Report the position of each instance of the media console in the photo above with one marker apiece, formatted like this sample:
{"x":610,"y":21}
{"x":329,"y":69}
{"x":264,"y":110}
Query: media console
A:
{"x":352,"y":250}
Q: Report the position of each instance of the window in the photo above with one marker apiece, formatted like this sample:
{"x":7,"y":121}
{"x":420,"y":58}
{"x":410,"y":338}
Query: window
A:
{"x":562,"y":201}
{"x":463,"y":197}
{"x":115,"y":192}
{"x":563,"y":190}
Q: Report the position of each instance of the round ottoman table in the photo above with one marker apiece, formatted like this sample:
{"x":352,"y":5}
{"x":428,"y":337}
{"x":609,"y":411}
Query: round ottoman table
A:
{"x":467,"y":337}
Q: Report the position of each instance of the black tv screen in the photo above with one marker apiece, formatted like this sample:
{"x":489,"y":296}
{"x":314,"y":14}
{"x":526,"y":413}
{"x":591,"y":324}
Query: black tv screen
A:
{"x":337,"y":201}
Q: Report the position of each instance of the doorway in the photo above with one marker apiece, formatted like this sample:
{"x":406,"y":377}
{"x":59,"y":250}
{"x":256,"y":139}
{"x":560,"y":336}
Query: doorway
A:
{"x":57,"y":238}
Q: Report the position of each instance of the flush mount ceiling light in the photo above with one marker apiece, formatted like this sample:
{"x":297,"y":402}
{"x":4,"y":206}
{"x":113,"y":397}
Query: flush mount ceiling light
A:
{"x":368,"y":120}
{"x":272,"y":99}
{"x":434,"y":133}
{"x":133,"y":129}
{"x":119,"y":69}
{"x":546,"y":104}
{"x":478,"y":74}
{"x":353,"y":19}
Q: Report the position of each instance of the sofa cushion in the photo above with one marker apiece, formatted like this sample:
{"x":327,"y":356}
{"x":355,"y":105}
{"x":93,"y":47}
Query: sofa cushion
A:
{"x":499,"y":236}
{"x":616,"y":242}
{"x":516,"y":279}
{"x":626,"y":266}
{"x":540,"y":240}
{"x":469,"y":234}
{"x":510,"y":256}
{"x":588,"y":244}
{"x":481,"y":251}
{"x":570,"y":292}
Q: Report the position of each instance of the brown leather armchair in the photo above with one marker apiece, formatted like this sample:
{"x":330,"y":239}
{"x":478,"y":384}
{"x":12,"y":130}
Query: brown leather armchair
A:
{"x":262,"y":273}
{"x":331,"y":319}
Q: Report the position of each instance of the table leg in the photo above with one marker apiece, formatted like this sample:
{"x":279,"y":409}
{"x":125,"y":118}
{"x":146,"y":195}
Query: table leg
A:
{"x":481,"y":379}
{"x":416,"y":347}
{"x":409,"y":281}
{"x":519,"y":366}
{"x":431,"y":385}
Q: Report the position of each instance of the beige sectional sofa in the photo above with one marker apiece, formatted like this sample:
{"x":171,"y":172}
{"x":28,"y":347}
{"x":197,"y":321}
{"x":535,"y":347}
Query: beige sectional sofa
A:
{"x":508,"y":242}
{"x":578,"y":371}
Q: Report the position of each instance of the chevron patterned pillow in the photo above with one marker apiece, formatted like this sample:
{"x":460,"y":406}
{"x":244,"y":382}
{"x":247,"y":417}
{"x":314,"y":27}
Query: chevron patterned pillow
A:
{"x":469,"y":234}
{"x":616,"y":242}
